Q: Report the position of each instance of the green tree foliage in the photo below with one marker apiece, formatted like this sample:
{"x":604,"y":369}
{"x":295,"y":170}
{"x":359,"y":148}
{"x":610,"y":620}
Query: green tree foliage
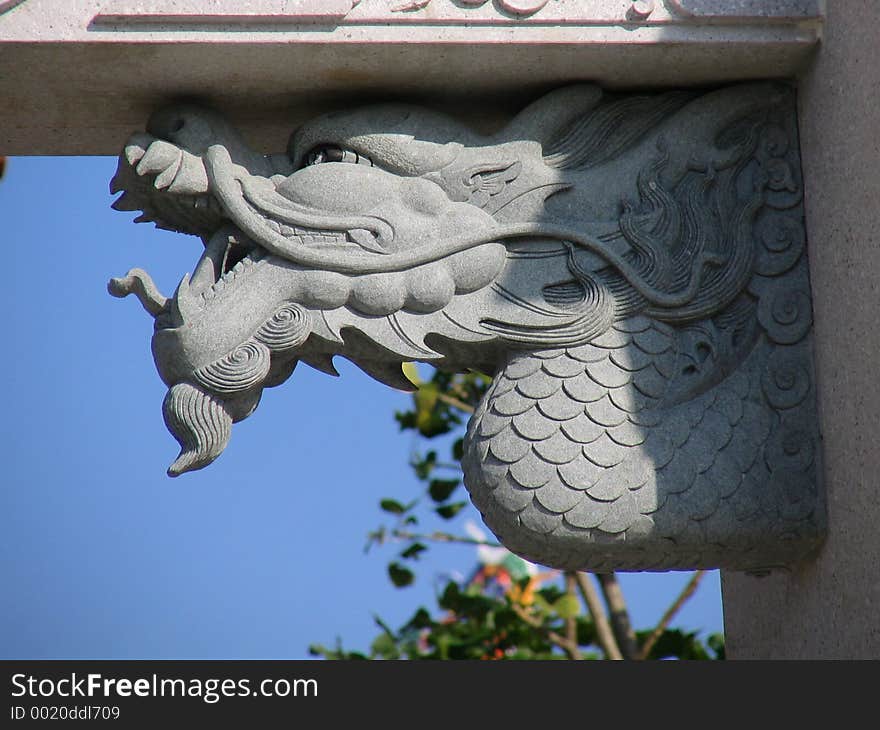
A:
{"x":508,"y":609}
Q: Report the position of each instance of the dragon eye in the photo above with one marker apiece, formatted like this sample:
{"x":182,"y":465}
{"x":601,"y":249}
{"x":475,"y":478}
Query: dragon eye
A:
{"x":330,"y":153}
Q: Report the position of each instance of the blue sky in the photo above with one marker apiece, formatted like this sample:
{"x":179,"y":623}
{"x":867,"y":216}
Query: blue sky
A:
{"x":256,"y":556}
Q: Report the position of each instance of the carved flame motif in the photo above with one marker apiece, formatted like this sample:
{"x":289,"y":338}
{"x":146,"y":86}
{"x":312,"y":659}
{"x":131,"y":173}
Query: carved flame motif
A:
{"x":630,"y":269}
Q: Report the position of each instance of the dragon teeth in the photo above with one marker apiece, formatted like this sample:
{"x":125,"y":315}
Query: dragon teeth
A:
{"x":251,"y":259}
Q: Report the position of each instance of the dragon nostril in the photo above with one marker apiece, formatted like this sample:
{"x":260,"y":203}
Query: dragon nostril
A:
{"x":177,"y":125}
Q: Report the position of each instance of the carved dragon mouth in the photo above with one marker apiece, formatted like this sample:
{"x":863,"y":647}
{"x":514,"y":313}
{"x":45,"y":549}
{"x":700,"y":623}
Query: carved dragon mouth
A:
{"x":226,"y":257}
{"x":160,"y":175}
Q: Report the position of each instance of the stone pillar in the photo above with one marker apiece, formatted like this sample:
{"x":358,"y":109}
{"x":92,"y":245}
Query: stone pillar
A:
{"x":828,"y":609}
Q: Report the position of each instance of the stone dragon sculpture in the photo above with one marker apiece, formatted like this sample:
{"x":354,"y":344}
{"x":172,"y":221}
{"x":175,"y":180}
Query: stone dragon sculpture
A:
{"x":629,"y":268}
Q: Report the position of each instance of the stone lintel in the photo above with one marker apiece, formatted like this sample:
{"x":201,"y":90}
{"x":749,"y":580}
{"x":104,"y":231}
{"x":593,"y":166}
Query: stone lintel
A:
{"x":80,"y":75}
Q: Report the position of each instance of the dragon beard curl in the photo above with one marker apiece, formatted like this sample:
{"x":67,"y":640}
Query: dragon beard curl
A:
{"x":199,"y":422}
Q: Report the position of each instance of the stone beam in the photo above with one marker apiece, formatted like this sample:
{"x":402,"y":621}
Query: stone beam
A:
{"x":82,"y":74}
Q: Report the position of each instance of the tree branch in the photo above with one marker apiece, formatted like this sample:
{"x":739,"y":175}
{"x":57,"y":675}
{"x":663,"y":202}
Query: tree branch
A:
{"x":620,"y":621}
{"x":604,"y":635}
{"x":571,"y":621}
{"x":442,"y":537}
{"x":688,"y":591}
{"x":570,"y":648}
{"x":448,"y":465}
{"x":455,"y":402}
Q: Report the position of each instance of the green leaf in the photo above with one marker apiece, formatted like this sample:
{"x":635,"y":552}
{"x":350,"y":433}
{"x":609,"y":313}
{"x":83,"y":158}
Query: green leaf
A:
{"x":413,"y":551}
{"x":377,"y":537}
{"x":448,"y":511}
{"x":568,"y":606}
{"x":432,"y":416}
{"x":385,"y":646}
{"x":458,"y":449}
{"x":716,"y":643}
{"x":392,"y":506}
{"x":451,"y":597}
{"x":542,"y":604}
{"x":586,"y":631}
{"x":411,"y":372}
{"x":421,"y":620}
{"x":337,"y":653}
{"x":551,"y":593}
{"x":443,"y":642}
{"x":400,"y":576}
{"x":678,"y":644}
{"x":424,"y":466}
{"x":425,"y":399}
{"x":441,"y":489}
{"x":406,"y":420}
{"x":382,"y":625}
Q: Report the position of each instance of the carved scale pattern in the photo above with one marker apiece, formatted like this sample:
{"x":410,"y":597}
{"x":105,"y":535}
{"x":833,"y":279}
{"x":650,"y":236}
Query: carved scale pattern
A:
{"x":549,"y":457}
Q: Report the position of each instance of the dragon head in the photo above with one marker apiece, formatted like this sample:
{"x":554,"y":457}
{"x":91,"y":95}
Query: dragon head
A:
{"x":391,"y":234}
{"x":245,"y":315}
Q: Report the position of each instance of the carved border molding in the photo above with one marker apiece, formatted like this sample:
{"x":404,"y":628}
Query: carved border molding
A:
{"x":197,"y":11}
{"x":191,"y":13}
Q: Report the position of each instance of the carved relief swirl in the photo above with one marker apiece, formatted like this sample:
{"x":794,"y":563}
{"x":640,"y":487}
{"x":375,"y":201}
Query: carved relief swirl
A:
{"x":244,"y":367}
{"x":774,"y":142}
{"x":786,"y":315}
{"x":786,"y":381}
{"x":519,"y":8}
{"x":784,"y":185}
{"x":522,"y":7}
{"x":289,"y":327}
{"x":782,"y":243}
{"x":790,"y":449}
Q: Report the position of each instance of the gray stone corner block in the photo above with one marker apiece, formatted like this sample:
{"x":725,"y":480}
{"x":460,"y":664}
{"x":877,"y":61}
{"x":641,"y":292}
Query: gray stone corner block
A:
{"x":631,"y":269}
